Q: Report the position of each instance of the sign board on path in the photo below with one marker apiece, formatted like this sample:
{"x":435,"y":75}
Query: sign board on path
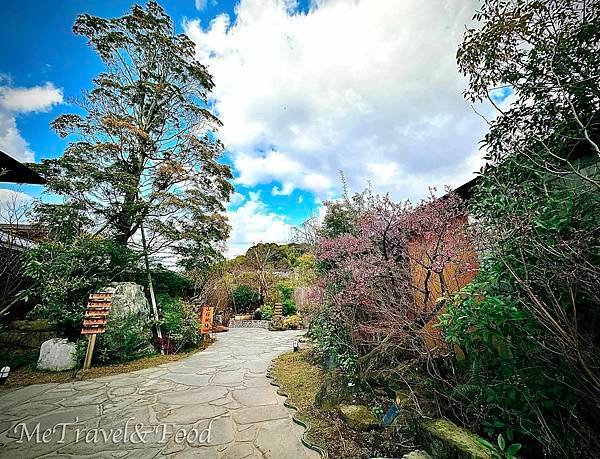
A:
{"x":206,"y":319}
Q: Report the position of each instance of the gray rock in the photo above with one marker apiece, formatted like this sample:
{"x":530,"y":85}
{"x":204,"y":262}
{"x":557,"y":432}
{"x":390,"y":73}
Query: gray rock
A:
{"x":128,"y":298}
{"x":57,"y":354}
{"x":444,"y":439}
{"x":417,"y":454}
{"x":358,"y":417}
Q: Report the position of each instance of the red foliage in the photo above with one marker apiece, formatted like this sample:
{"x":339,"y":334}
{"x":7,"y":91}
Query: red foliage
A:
{"x":385,"y":280}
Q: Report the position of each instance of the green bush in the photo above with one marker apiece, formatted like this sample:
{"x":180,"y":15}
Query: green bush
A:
{"x":166,"y":281}
{"x":293,"y":322}
{"x":179,"y":322}
{"x":286,"y":296}
{"x":127,"y":338}
{"x":266,"y":312}
{"x":506,"y":379}
{"x":245,"y":299}
{"x":63,"y":274}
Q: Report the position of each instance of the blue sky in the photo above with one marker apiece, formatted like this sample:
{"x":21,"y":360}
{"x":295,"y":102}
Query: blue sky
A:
{"x":304,"y":89}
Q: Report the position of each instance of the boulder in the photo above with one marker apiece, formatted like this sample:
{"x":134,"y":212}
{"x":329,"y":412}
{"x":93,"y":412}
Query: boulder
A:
{"x":128,"y":298}
{"x":57,"y":354}
{"x":358,"y":417}
{"x":417,"y":454}
{"x":445,"y":440}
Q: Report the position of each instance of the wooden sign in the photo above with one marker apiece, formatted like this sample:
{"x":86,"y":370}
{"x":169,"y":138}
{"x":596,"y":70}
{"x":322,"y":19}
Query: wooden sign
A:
{"x":278,"y":310}
{"x":206,"y":319}
{"x":94,"y":321}
{"x":96,"y":315}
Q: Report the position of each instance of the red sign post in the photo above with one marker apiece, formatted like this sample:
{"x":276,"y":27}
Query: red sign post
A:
{"x":206,"y":319}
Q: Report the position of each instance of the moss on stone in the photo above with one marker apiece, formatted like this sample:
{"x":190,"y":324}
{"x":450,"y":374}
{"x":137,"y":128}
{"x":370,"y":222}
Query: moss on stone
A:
{"x":358,"y":417}
{"x":445,"y":440}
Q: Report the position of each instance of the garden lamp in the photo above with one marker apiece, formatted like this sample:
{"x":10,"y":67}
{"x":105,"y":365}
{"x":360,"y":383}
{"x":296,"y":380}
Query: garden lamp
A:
{"x":4,"y":374}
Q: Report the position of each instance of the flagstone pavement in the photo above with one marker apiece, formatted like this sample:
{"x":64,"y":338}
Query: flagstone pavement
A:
{"x":215,"y":404}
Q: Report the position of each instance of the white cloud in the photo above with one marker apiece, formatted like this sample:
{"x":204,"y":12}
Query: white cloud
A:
{"x":10,"y":197}
{"x":276,"y":166}
{"x":17,"y":101}
{"x":236,"y":199}
{"x":252,"y":223}
{"x":345,"y":85}
{"x":200,"y":4}
{"x":11,"y":141}
{"x":33,"y":99}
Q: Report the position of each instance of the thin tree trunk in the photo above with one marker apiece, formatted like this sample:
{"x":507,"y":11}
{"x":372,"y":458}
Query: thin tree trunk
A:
{"x":150,"y":285}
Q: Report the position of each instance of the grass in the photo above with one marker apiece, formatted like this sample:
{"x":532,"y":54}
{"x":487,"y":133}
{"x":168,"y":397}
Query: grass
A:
{"x":25,"y":375}
{"x":301,"y":379}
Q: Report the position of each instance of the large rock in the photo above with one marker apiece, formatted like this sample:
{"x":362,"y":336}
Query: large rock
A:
{"x":445,"y":440}
{"x":358,"y":417}
{"x":57,"y":354}
{"x":128,"y":298}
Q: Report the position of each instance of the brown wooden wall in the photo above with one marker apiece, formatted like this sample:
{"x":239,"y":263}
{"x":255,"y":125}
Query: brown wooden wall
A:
{"x":457,"y":273}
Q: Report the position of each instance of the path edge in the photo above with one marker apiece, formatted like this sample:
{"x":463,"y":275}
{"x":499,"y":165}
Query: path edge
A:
{"x":300,"y":422}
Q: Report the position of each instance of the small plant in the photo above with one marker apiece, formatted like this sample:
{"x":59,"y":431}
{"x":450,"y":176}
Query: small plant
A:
{"x":266,"y":312}
{"x":293,"y":322}
{"x":125,"y":339}
{"x":503,"y":450}
{"x":179,"y":324}
{"x":286,"y":296}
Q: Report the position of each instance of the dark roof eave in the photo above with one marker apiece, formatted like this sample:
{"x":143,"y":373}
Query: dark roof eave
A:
{"x":12,"y":171}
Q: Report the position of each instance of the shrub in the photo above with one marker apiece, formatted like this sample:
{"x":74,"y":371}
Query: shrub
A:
{"x":127,"y":338}
{"x":266,"y":312}
{"x":245,"y":299}
{"x":64,"y":273}
{"x":286,"y":296}
{"x":179,"y":323}
{"x":166,"y":281}
{"x":293,"y":322}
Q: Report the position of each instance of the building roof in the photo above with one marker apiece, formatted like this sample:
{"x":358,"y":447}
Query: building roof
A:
{"x":13,"y":171}
{"x":18,"y":237}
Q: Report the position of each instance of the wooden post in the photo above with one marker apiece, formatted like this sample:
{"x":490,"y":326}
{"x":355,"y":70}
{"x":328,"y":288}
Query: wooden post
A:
{"x":90,"y":351}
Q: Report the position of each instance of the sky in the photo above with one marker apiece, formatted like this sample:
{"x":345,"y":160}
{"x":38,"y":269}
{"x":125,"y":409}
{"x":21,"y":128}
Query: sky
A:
{"x":305,"y":89}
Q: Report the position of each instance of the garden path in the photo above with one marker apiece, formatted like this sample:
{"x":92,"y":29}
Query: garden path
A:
{"x":220,"y":399}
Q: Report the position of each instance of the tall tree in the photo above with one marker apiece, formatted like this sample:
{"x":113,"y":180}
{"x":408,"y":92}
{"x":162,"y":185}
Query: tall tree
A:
{"x":144,"y":151}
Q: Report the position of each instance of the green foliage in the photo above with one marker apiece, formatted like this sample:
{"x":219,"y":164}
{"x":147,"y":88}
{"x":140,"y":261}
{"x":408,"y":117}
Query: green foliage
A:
{"x":286,"y":297}
{"x":266,"y":312}
{"x":245,"y":299}
{"x":18,"y":358}
{"x":178,"y":322}
{"x":505,"y":377}
{"x":134,"y":141}
{"x":528,"y":324}
{"x":126,"y":338}
{"x":293,"y":322}
{"x":166,"y":282}
{"x":332,"y":343}
{"x":63,"y":274}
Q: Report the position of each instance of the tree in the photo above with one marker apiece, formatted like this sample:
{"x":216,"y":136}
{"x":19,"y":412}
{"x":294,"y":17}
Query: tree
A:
{"x":537,"y":211}
{"x":382,"y":280}
{"x":145,"y":155}
{"x":12,"y":215}
{"x":245,"y":299}
{"x":260,"y":258}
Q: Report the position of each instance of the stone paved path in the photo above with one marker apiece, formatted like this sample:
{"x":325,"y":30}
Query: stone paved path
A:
{"x":215,"y":404}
